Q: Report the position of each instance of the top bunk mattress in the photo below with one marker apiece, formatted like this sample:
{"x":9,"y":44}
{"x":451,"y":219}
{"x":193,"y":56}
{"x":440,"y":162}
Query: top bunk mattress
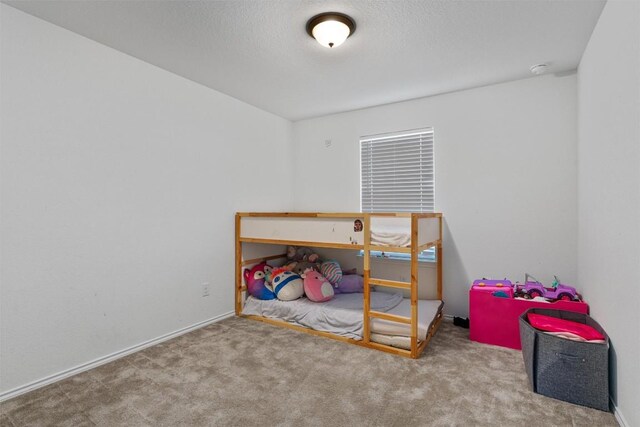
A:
{"x":342,"y":315}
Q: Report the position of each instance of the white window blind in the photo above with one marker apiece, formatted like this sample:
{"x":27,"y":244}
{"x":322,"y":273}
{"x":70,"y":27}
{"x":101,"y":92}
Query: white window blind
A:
{"x":397,"y":172}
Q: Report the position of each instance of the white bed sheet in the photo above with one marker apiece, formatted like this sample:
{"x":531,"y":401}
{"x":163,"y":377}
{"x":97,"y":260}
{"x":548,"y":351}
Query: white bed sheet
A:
{"x":343,"y":315}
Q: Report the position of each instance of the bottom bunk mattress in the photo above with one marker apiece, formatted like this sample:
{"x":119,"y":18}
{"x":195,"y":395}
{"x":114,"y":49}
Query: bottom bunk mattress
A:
{"x":342,"y":315}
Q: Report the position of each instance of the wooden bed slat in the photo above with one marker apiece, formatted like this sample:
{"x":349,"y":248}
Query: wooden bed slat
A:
{"x":390,"y":349}
{"x":428,"y":245}
{"x":401,"y":249}
{"x":390,"y":317}
{"x":390,"y":283}
{"x":432,"y":331}
{"x":429,"y":215}
{"x":302,"y":243}
{"x":266,"y":258}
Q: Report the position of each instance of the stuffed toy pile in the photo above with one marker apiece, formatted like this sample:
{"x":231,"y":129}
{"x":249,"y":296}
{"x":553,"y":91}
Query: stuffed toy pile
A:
{"x":304,"y":273}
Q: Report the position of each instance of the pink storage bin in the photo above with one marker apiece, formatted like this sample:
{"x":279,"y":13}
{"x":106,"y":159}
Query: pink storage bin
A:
{"x":494,"y":320}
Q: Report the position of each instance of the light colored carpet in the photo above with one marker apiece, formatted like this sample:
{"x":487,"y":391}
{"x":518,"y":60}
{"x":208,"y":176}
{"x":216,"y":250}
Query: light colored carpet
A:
{"x":240,"y":372}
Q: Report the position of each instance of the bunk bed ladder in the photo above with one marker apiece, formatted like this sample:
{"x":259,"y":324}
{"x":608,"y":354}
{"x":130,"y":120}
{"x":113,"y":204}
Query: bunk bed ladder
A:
{"x":412,"y":286}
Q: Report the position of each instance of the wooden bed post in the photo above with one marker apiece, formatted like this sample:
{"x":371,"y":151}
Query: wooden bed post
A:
{"x":414,"y":285}
{"x":238,"y":285}
{"x":439,"y":263}
{"x":367,"y":275}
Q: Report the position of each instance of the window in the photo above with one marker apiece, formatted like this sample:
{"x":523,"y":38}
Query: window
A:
{"x":397,"y":172}
{"x":397,"y":175}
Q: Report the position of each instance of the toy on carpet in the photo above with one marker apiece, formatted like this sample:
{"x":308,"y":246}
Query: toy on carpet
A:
{"x":316,"y":286}
{"x":257,"y":283}
{"x":287,"y":285}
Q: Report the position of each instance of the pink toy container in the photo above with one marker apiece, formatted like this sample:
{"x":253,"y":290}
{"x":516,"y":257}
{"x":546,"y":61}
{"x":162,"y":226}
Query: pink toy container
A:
{"x":494,"y":320}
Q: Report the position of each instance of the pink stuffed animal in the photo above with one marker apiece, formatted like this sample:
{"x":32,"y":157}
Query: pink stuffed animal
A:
{"x":316,"y":287}
{"x":256,"y":281}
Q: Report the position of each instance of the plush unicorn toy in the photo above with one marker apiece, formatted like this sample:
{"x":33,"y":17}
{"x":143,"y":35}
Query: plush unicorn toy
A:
{"x":256,"y":282}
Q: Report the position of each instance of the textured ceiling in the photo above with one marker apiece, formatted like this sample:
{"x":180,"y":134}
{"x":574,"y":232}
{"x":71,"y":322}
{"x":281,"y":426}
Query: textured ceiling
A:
{"x":258,"y":51}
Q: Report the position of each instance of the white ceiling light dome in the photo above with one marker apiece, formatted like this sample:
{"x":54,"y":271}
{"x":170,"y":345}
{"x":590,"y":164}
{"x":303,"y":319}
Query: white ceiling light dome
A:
{"x":331,"y":29}
{"x":331,"y":33}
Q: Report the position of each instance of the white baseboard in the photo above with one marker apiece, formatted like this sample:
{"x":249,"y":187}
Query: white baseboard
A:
{"x":108,"y":358}
{"x":619,"y":418}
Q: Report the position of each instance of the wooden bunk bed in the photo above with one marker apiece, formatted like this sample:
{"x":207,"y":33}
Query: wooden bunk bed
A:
{"x":336,"y":230}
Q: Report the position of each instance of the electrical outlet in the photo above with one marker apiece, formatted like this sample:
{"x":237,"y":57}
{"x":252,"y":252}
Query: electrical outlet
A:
{"x":205,"y":289}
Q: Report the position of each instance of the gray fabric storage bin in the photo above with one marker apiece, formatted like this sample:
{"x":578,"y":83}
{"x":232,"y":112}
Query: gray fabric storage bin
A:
{"x":573,"y":371}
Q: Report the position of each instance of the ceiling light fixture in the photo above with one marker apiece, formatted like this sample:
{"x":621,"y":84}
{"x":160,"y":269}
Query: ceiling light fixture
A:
{"x":538,"y":69}
{"x":331,"y":29}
